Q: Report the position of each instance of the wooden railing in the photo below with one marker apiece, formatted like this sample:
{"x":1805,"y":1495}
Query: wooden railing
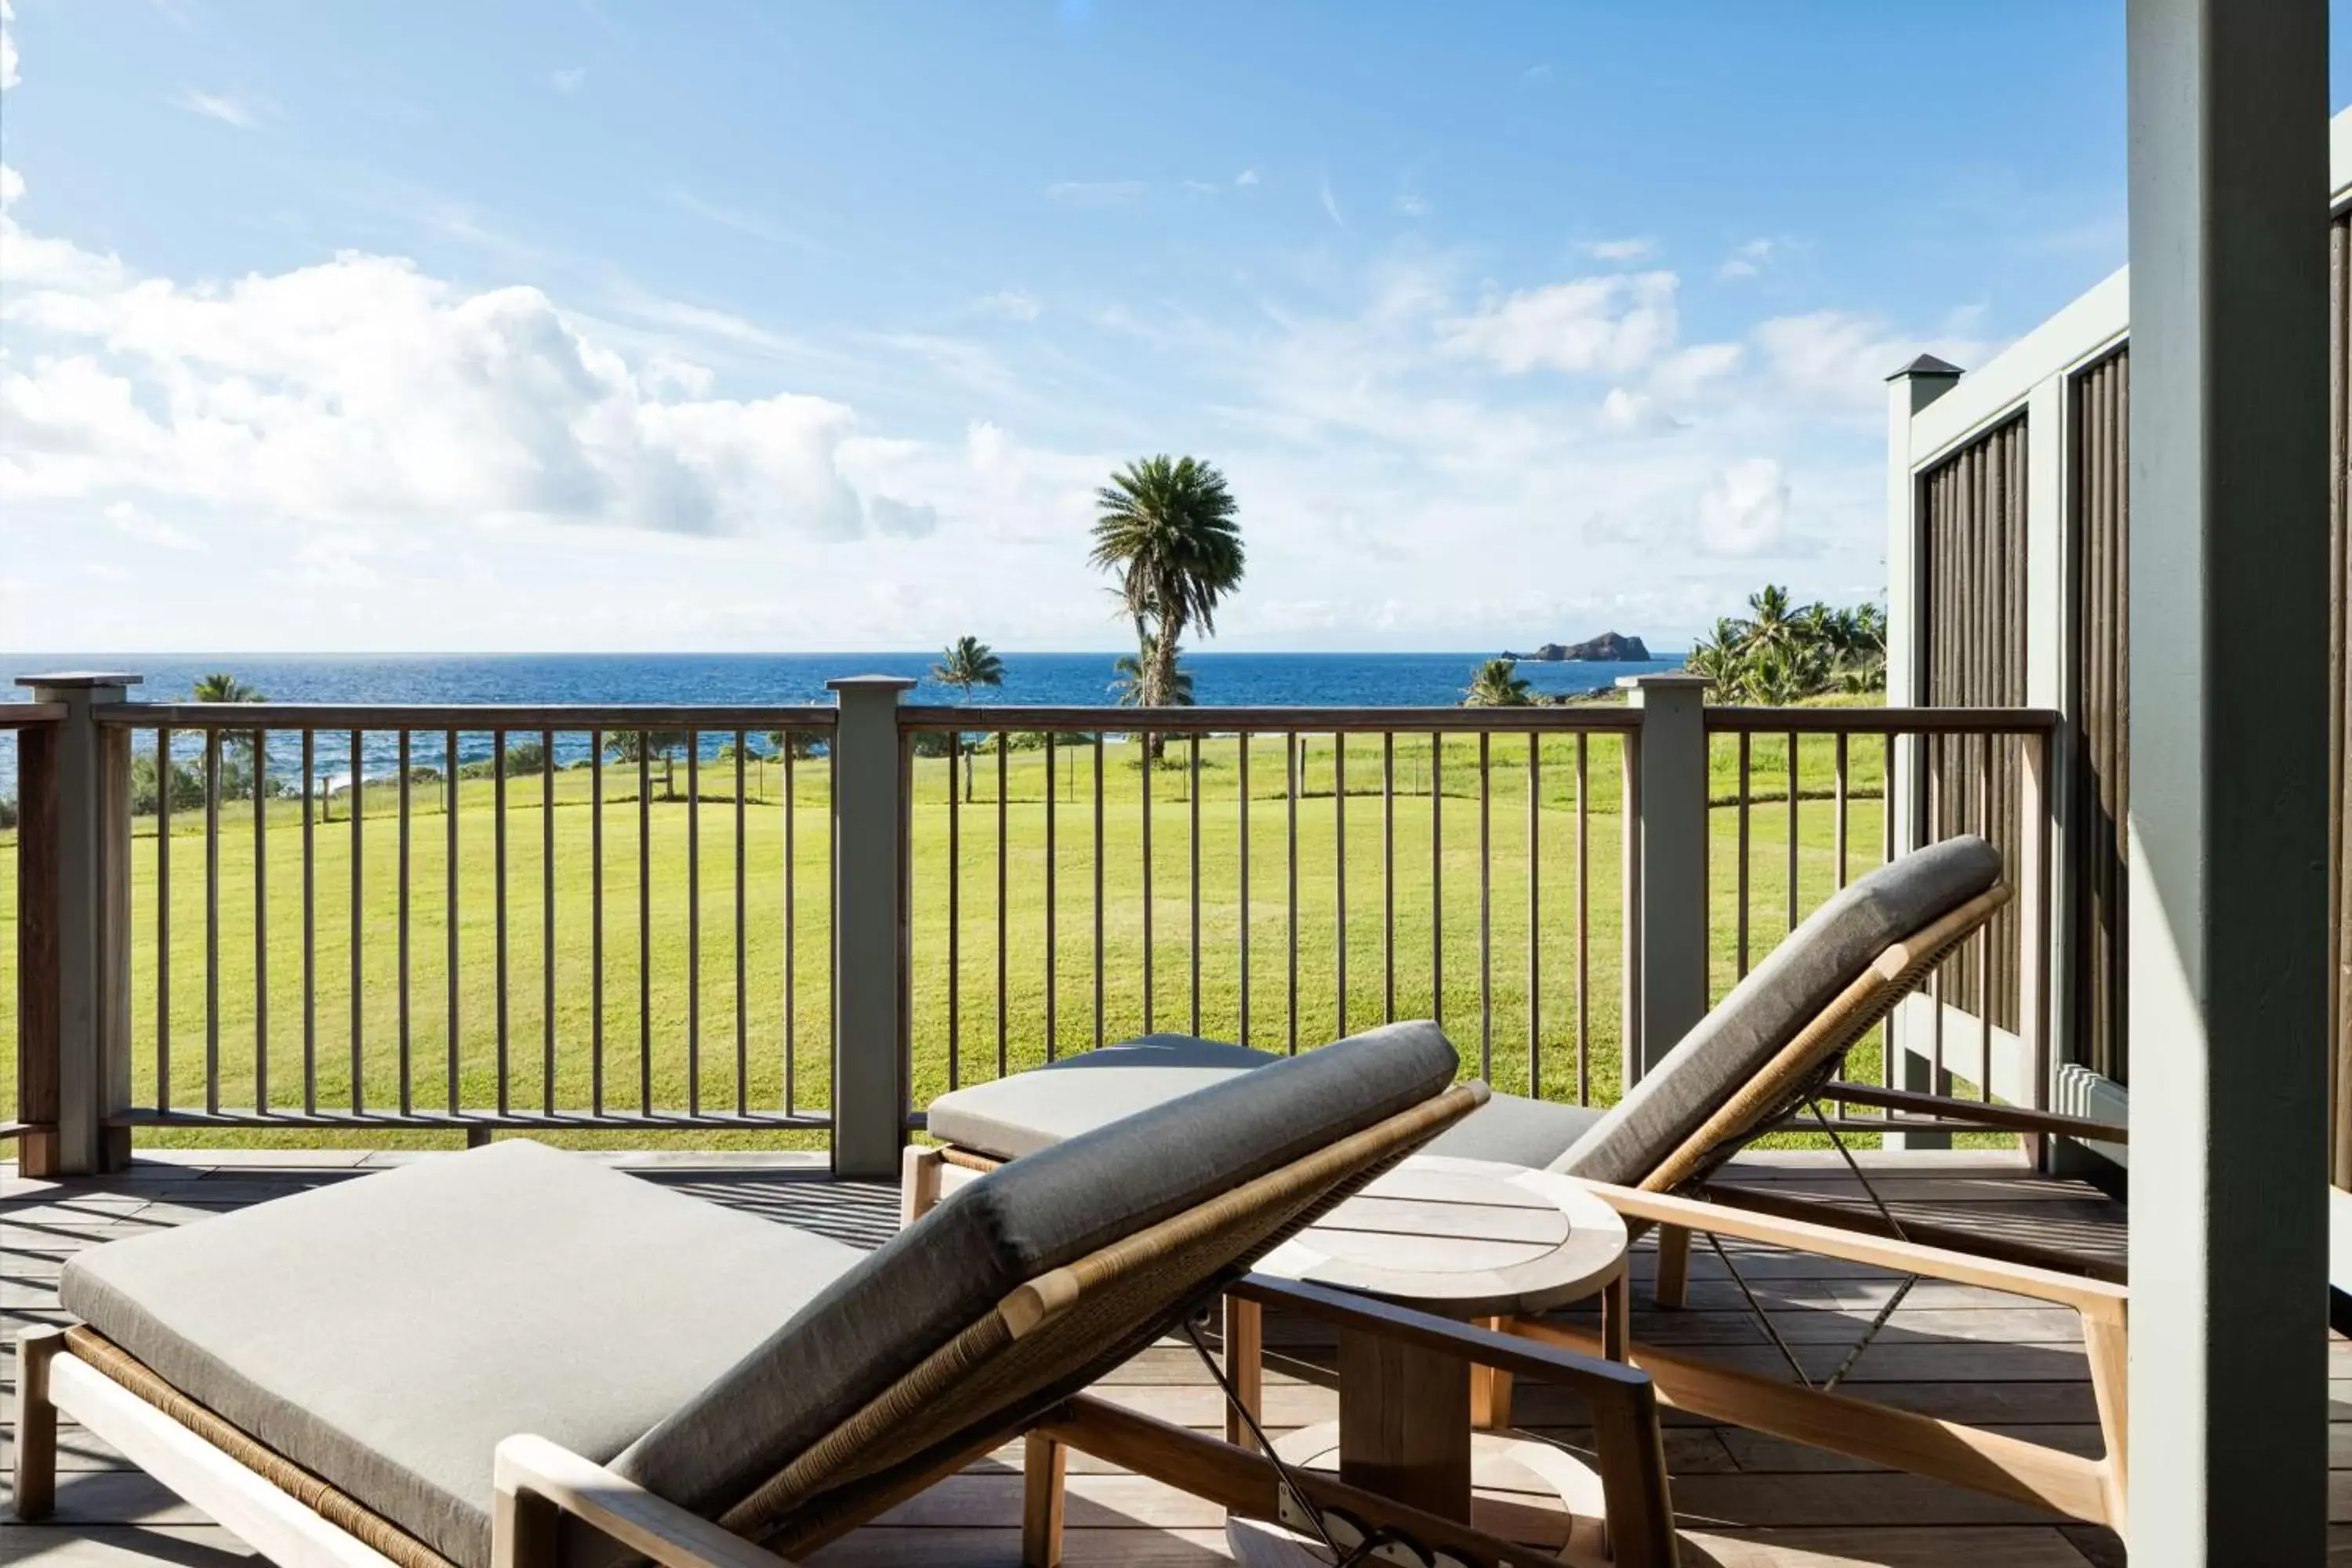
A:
{"x":399,"y":923}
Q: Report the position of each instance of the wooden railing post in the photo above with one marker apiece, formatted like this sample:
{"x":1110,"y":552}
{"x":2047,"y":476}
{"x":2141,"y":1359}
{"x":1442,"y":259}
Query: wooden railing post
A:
{"x":869,"y":929}
{"x":74,"y":1060}
{"x":1666,"y":889}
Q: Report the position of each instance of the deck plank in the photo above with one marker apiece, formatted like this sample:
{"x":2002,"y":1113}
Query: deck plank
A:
{"x":1746,"y":1501}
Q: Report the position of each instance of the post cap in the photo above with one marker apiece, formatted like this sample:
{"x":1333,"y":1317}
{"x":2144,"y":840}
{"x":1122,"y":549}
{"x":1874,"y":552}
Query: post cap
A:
{"x":1668,"y":680}
{"x":1925,"y":365}
{"x":871,"y":683}
{"x":79,"y":680}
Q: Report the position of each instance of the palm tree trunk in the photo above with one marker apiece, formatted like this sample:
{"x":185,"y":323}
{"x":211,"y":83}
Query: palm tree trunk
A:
{"x":963,"y":746}
{"x":1163,"y":679}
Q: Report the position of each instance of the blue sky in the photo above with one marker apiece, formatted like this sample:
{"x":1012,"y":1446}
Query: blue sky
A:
{"x":592,"y":324}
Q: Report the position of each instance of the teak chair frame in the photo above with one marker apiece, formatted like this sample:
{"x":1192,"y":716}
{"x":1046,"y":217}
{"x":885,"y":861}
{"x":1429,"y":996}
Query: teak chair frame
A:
{"x":1018,"y":1369}
{"x":1677,"y":1199}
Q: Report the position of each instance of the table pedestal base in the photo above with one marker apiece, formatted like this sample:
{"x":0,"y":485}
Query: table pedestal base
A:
{"x":1522,"y":1489}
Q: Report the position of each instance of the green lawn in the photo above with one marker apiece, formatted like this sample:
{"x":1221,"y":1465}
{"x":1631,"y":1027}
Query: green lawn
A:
{"x":1484,"y":998}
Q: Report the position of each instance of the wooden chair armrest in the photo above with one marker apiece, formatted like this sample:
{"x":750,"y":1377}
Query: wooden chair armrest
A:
{"x":1480,"y":1347}
{"x":2093,"y":1297}
{"x":532,"y":1468}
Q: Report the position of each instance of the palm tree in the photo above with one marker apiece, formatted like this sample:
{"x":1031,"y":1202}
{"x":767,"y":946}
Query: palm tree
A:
{"x":1721,"y":659}
{"x":1166,"y":528}
{"x":643,"y":746}
{"x":222,"y":687}
{"x":968,"y":662}
{"x":1497,"y":684}
{"x":1131,"y":670}
{"x":1771,"y":622}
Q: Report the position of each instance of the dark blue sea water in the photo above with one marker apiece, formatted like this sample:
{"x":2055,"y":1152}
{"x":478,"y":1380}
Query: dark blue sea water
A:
{"x":1220,"y":679}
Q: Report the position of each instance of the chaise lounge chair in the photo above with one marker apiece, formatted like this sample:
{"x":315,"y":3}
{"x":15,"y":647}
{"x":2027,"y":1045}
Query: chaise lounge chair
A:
{"x":516,"y":1357}
{"x":1772,"y":1048}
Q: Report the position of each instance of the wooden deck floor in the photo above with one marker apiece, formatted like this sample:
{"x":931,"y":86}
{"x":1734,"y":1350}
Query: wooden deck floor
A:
{"x":1743,"y":1498}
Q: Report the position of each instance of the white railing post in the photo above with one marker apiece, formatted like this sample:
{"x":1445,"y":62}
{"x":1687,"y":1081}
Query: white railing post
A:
{"x":88,"y":972}
{"x":1666,"y":853}
{"x":869,"y":929}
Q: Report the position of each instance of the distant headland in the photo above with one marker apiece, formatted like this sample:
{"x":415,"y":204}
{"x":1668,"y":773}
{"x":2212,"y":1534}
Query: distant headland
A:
{"x":1609,"y":648}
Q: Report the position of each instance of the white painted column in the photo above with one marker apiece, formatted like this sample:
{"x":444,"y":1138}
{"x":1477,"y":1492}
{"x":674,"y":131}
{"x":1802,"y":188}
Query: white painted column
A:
{"x":1667,"y":858}
{"x":1909,"y":391}
{"x":2229,"y":770}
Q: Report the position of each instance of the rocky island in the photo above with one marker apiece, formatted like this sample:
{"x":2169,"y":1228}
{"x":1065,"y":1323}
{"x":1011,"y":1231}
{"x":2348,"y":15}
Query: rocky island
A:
{"x":1609,"y":648}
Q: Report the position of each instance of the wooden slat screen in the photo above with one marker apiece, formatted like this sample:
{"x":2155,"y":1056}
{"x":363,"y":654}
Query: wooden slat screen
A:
{"x":2101,"y":412}
{"x":1974,"y":624}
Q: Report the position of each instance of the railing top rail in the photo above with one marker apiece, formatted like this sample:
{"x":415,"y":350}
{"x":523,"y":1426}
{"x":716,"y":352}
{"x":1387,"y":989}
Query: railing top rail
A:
{"x":26,"y":715}
{"x":1883,"y":720}
{"x":468,"y":717}
{"x":1265,"y":720}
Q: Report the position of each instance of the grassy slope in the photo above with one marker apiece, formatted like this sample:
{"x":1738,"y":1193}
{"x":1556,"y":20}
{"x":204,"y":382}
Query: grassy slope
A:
{"x":1490,"y":1022}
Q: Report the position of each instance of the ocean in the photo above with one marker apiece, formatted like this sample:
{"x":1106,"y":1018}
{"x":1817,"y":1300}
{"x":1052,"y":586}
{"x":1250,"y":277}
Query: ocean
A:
{"x":1219,"y":680}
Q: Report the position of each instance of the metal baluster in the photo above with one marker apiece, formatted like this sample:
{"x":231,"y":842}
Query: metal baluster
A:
{"x":1486,"y":910}
{"x":1584,"y":921}
{"x":1002,"y":749}
{"x":1793,"y":830}
{"x":407,"y":840}
{"x":1192,"y":802}
{"x":1053,"y":906}
{"x":1143,"y":756}
{"x":449,"y":806}
{"x":359,"y":968}
{"x":1535,"y":915}
{"x":1099,"y":889}
{"x":1739,"y":881}
{"x":1339,"y":878}
{"x":694,"y":923}
{"x":596,"y":922}
{"x":955,"y":912}
{"x":1437,"y":878}
{"x":742,"y":990}
{"x":1886,"y":802}
{"x":644,"y":924}
{"x":499,"y":899}
{"x":261,"y":922}
{"x":212,"y":921}
{"x":546,"y":921}
{"x":1842,"y":813}
{"x":163,"y":782}
{"x":1290,"y":781}
{"x":1387,"y":876}
{"x":1989,"y":829}
{"x":1245,"y":889}
{"x":792,"y":926}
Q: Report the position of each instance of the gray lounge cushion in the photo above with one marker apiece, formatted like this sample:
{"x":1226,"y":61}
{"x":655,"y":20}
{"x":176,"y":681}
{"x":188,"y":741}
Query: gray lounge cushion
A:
{"x":1046,"y":1209}
{"x":1023,"y":1112}
{"x":389,"y":1331}
{"x":1764,"y":1012}
{"x":1512,"y":1130}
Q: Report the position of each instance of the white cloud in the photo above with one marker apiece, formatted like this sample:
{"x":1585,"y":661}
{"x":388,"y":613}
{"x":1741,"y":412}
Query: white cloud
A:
{"x":133,"y":523}
{"x":568,"y":77}
{"x":227,"y":108}
{"x":1633,"y":412}
{"x":1096,"y":193}
{"x":362,"y":392}
{"x":1536,"y":76}
{"x":12,"y":185}
{"x":1615,"y":323}
{"x":1746,"y":260}
{"x":1331,"y":203}
{"x":740,"y":220}
{"x":1640,"y":247}
{"x":1746,"y":511}
{"x":1836,"y":360}
{"x":1412,"y":203}
{"x":7,"y":46}
{"x":1684,"y":374}
{"x":1012,"y":304}
{"x":1245,"y":178}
